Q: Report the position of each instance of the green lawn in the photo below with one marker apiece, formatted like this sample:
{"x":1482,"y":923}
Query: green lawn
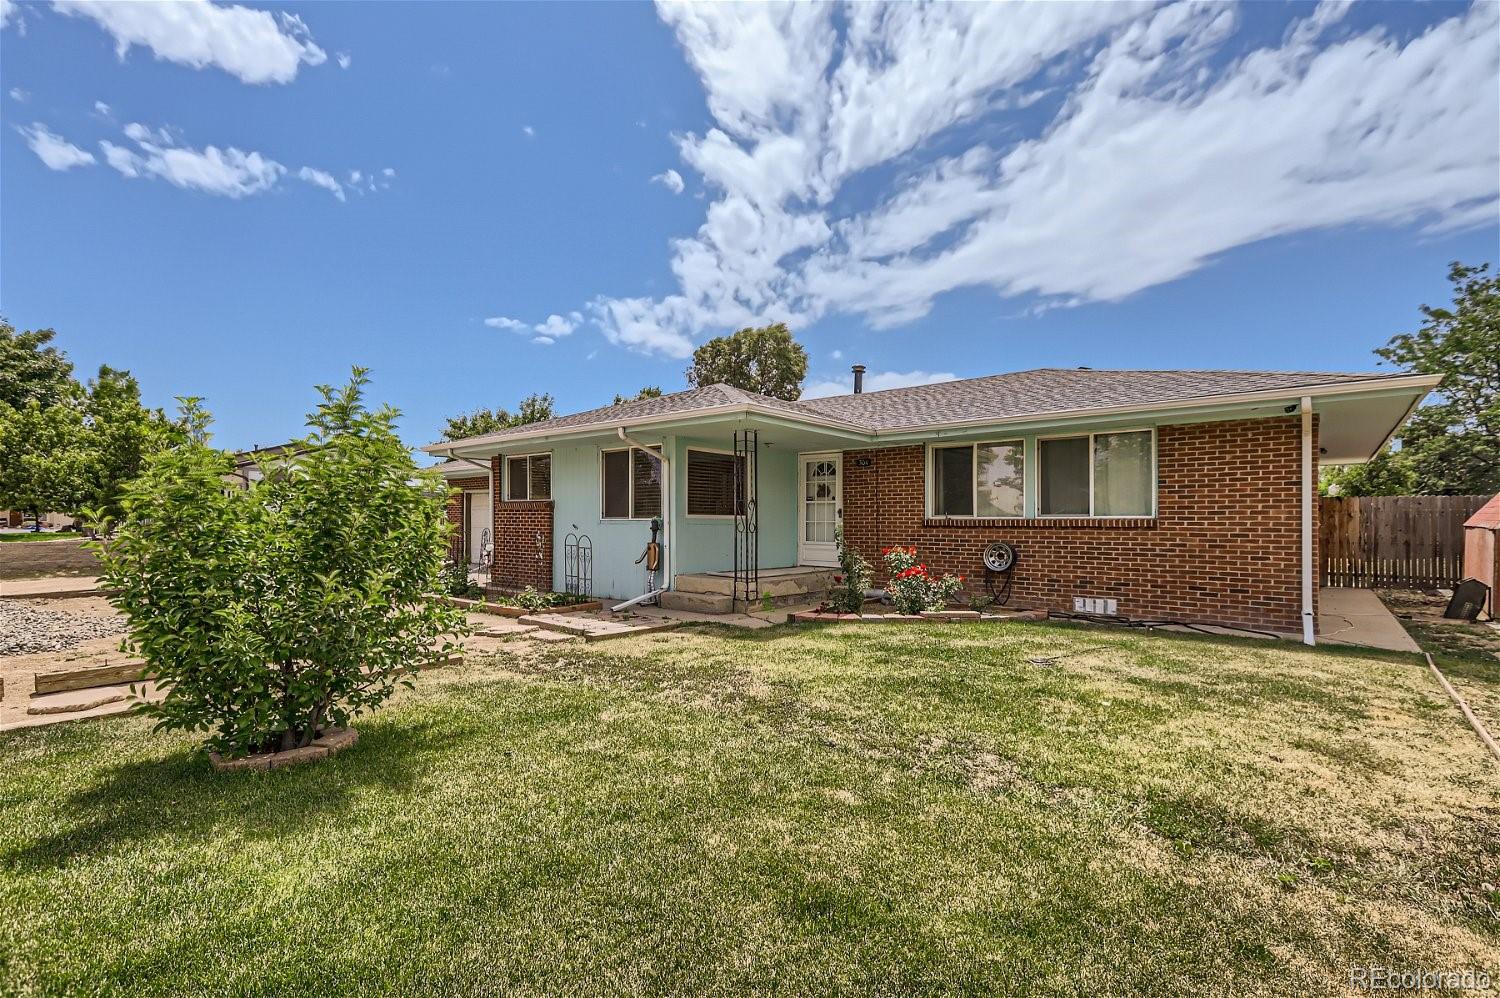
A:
{"x":902,"y":808}
{"x":44,"y":535}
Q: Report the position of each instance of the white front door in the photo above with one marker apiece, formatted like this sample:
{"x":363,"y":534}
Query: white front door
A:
{"x":818,"y":512}
{"x":480,"y":524}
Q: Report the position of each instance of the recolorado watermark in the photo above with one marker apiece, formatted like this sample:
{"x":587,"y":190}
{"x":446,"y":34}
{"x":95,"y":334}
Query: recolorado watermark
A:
{"x":1379,"y":979}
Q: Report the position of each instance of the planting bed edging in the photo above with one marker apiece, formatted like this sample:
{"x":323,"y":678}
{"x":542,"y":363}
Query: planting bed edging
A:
{"x":329,"y":743}
{"x":500,"y":610}
{"x":934,"y":617}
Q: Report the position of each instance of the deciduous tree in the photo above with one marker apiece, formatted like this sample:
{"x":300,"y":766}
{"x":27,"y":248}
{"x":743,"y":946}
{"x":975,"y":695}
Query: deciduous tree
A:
{"x":765,"y":360}
{"x":1451,"y":446}
{"x":533,"y":409}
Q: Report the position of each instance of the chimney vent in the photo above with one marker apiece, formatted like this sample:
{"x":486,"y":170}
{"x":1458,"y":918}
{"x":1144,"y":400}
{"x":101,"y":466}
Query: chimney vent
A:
{"x":859,"y":378}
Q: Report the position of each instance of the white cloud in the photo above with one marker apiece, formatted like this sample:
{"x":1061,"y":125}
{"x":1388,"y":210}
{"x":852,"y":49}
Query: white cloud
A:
{"x":837,"y":354}
{"x":56,"y":152}
{"x":18,"y":95}
{"x":528,"y":131}
{"x":344,"y":59}
{"x":1167,"y":141}
{"x":101,"y":109}
{"x":389,"y":173}
{"x":254,"y":45}
{"x":556,"y":326}
{"x":7,"y":8}
{"x":323,"y":179}
{"x":877,"y":382}
{"x":546,"y":332}
{"x":225,"y":172}
{"x":137,"y":132}
{"x":670,"y":179}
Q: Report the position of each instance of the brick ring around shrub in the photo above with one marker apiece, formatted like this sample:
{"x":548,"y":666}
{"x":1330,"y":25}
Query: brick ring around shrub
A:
{"x":329,"y":743}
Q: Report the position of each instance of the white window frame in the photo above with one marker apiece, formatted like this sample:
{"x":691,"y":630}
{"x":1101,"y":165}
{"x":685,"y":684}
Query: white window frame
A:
{"x":630,"y":483}
{"x":505,"y":476}
{"x":932,"y":513}
{"x":686,"y":486}
{"x":1091,"y":515}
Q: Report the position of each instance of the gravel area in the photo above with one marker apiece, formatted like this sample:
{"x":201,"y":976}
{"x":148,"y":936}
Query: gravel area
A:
{"x":27,"y":628}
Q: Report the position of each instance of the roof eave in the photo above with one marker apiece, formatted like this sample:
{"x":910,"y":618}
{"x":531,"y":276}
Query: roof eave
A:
{"x":1385,"y":386}
{"x":494,"y":442}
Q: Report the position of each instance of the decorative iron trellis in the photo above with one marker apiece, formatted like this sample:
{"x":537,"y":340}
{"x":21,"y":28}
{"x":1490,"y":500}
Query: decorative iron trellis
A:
{"x":578,"y":565}
{"x":746,"y":516}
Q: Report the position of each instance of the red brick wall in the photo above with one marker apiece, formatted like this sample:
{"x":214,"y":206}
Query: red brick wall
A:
{"x":523,"y":542}
{"x":1224,"y":547}
{"x":456,"y":512}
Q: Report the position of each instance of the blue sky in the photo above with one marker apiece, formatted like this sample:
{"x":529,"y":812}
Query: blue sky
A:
{"x":933,"y":192}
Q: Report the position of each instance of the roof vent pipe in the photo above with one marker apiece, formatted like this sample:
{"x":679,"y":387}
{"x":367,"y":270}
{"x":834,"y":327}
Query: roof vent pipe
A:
{"x":859,"y":378}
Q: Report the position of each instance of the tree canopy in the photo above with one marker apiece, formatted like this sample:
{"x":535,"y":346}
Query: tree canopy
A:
{"x":765,"y":360}
{"x":533,"y":409}
{"x":32,"y":369}
{"x":64,"y":445}
{"x":649,"y":392}
{"x":1451,"y":446}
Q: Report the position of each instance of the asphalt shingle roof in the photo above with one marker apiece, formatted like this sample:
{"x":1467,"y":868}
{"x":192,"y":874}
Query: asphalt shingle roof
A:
{"x":1017,"y":395}
{"x":1055,"y":389}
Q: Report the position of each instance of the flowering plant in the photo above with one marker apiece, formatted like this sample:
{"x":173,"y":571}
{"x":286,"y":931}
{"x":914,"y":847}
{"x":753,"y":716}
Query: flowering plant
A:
{"x":912,"y":587}
{"x":853,"y":578}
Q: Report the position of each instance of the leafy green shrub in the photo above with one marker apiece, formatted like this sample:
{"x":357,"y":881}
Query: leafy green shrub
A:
{"x":913,"y":589}
{"x":534,"y":599}
{"x":853,"y":580}
{"x":456,"y":581}
{"x":279,"y":611}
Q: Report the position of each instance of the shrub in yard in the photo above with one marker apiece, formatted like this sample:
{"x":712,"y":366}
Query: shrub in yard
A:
{"x":533,"y":599}
{"x":276,"y":612}
{"x":913,"y":589}
{"x":853,"y":580}
{"x":455,"y":581}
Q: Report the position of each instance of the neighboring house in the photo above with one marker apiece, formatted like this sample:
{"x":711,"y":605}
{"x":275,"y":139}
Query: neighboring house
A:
{"x":470,"y":510}
{"x":250,"y":466}
{"x":1181,"y":495}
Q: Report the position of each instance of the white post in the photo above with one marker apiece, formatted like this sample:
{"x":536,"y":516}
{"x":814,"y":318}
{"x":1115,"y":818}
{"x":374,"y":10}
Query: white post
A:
{"x":1309,"y":487}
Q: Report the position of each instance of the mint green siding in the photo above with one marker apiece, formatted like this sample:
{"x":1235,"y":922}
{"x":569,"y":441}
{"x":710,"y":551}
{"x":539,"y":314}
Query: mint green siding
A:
{"x":702,"y":545}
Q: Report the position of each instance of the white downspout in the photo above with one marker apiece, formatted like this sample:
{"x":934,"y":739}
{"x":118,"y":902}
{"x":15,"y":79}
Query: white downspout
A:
{"x":666,"y":503}
{"x":1309,"y":487}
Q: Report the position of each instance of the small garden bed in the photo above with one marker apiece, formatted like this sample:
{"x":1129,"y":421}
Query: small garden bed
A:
{"x":929,"y":616}
{"x":502,"y":609}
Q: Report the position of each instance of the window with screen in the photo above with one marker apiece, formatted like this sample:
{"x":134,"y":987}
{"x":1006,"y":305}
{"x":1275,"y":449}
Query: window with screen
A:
{"x":1063,"y":481}
{"x":1102,"y":474}
{"x":528,"y":477}
{"x":953,"y":481}
{"x":539,"y":476}
{"x":515,"y":478}
{"x":982,"y":479}
{"x":711,"y":483}
{"x":615,"y":484}
{"x":629,"y":484}
{"x":645,"y":485}
{"x":1122,"y":474}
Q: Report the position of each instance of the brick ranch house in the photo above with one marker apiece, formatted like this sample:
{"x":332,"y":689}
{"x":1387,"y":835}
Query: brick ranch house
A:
{"x":1181,"y":495}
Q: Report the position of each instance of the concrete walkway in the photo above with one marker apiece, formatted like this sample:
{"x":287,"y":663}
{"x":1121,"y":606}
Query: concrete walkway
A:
{"x":1357,"y":617}
{"x":57,"y":586}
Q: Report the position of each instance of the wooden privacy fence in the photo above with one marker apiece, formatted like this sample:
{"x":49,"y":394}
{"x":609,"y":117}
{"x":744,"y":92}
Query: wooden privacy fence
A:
{"x":1415,"y":541}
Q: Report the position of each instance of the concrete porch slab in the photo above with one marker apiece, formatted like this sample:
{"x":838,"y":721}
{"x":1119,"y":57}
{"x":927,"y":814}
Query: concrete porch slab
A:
{"x":1358,"y":617}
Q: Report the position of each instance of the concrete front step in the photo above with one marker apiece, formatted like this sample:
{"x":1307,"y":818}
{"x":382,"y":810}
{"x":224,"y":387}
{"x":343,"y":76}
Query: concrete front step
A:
{"x":723,"y":603}
{"x":775,"y":582}
{"x":679,"y":599}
